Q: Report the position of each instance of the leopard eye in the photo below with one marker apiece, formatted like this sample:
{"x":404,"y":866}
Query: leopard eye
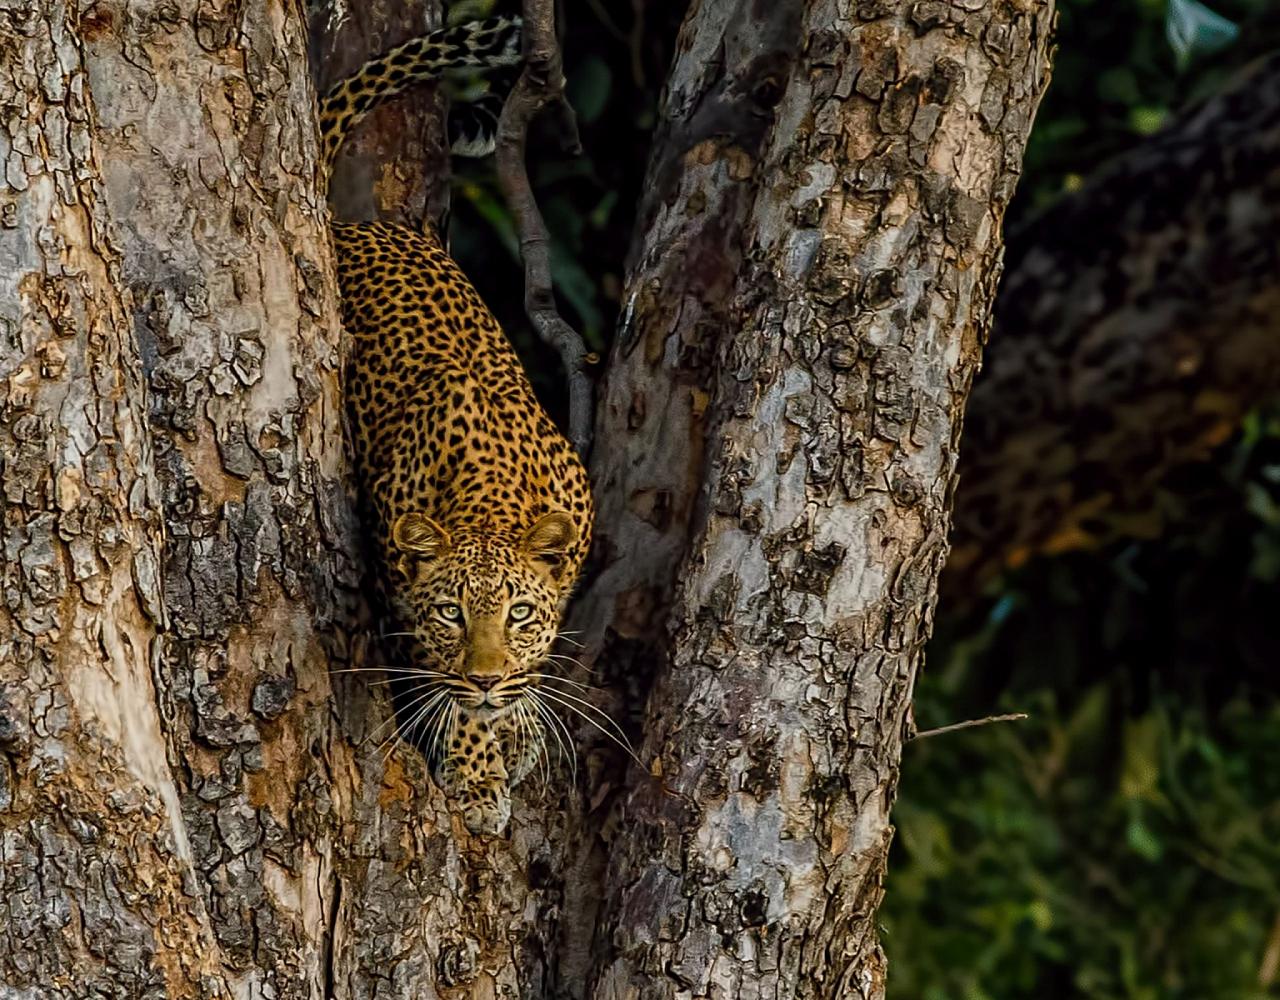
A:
{"x":520,"y":612}
{"x":449,"y":612}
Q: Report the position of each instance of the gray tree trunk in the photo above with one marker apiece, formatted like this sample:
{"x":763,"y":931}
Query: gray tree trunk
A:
{"x":193,"y":805}
{"x":803,"y":322}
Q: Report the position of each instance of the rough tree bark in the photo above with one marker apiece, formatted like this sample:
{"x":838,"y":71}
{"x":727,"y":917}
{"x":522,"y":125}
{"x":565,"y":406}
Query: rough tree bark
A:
{"x":221,"y":828}
{"x":391,"y":168}
{"x":804,"y":319}
{"x":91,"y":811}
{"x":192,"y":805}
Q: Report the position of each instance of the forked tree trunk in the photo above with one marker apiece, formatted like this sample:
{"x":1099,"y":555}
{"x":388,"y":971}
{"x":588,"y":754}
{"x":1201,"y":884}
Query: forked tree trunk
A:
{"x":192,"y":805}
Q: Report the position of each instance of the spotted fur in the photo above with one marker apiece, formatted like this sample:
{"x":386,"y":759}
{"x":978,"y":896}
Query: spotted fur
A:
{"x":479,"y":508}
{"x":487,"y":44}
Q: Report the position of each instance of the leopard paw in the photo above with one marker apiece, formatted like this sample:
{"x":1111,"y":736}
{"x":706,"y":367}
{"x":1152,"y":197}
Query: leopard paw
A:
{"x":486,"y":810}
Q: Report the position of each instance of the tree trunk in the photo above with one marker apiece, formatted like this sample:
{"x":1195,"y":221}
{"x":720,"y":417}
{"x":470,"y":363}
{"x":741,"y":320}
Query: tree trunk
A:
{"x":191,"y":805}
{"x":91,"y":811}
{"x":191,"y":810}
{"x":800,"y":331}
{"x":392,"y":167}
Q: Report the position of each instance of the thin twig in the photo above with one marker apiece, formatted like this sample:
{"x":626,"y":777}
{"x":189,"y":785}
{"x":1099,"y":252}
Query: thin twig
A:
{"x":541,"y":85}
{"x":970,"y":724}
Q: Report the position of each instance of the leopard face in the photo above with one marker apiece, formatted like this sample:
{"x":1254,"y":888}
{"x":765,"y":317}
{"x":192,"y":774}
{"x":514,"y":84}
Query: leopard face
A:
{"x":484,"y":607}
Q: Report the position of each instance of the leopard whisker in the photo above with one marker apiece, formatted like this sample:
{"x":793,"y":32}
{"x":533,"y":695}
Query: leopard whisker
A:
{"x":390,"y":670}
{"x":431,"y":724}
{"x":618,"y":737}
{"x":578,"y":699}
{"x":427,"y":686}
{"x":556,"y":727}
{"x":562,"y":658}
{"x":430,"y":707}
{"x":394,"y":718}
{"x":529,"y":741}
{"x":440,"y":728}
{"x":538,"y":728}
{"x":426,"y":700}
{"x":566,"y":680}
{"x":432,"y":729}
{"x":520,"y":741}
{"x":449,"y":681}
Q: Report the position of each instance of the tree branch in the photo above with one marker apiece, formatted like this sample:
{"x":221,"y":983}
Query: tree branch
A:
{"x":540,"y":85}
{"x":956,"y":727}
{"x":1135,"y":328}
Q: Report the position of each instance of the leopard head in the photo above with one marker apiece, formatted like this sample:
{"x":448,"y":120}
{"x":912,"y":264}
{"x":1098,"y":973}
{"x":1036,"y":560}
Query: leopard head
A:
{"x":484,"y":606}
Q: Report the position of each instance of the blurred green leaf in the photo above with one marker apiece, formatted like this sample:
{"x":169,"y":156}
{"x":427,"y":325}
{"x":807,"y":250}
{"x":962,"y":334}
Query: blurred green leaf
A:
{"x":495,"y":213}
{"x":1193,"y":29}
{"x":462,"y":11}
{"x":573,"y":282}
{"x":1140,"y":775}
{"x":1261,"y":504}
{"x":1147,"y":120}
{"x":1142,"y":839}
{"x":1120,"y":85}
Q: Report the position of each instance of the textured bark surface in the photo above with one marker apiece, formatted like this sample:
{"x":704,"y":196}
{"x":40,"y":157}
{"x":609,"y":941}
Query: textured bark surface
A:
{"x":1135,"y":327}
{"x":189,"y":808}
{"x":808,"y":387}
{"x":192,"y":805}
{"x":89,"y":809}
{"x":208,"y":151}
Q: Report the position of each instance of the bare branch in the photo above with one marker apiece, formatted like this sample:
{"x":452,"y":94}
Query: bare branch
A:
{"x":969,"y":724}
{"x":541,"y":85}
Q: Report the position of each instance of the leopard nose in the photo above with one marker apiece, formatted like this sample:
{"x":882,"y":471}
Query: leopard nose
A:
{"x":485,"y":682}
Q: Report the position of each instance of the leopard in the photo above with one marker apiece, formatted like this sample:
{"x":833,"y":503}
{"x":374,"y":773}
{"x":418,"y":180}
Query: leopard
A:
{"x":478,"y":508}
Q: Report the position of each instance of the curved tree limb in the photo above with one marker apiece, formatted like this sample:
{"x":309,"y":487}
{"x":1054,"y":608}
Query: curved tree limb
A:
{"x":1135,"y":327}
{"x":541,"y":85}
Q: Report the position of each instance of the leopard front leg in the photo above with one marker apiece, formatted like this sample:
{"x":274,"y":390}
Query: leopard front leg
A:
{"x":474,"y":775}
{"x":521,"y":742}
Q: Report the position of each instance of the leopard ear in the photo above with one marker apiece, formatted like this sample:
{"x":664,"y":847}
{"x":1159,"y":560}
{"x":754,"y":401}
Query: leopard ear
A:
{"x":417,"y":533}
{"x":551,"y":537}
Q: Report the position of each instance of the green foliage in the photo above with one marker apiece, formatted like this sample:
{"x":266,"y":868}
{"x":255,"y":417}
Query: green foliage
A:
{"x":616,"y":58}
{"x":1086,"y":853}
{"x":1124,"y":842}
